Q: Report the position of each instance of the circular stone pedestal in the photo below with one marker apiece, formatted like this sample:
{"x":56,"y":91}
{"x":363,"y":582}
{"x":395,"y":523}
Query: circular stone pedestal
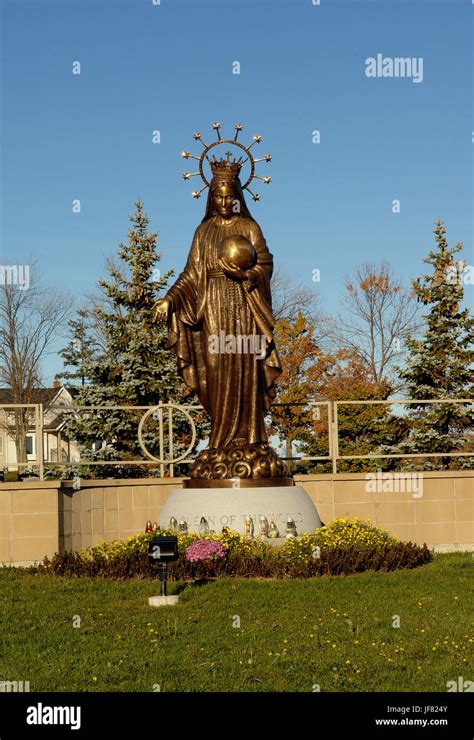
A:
{"x":230,"y":507}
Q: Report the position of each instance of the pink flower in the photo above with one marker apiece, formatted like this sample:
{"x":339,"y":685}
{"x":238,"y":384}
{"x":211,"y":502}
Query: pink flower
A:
{"x":205,"y":550}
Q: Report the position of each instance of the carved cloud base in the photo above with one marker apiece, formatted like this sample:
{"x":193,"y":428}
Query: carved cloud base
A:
{"x":239,"y":460}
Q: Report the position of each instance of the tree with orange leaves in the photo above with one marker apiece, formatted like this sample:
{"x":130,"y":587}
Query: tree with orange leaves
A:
{"x":361,"y":428}
{"x":304,"y":368}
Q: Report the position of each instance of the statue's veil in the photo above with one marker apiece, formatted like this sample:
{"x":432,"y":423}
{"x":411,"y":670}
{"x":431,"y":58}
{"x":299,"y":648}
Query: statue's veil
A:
{"x":239,"y":195}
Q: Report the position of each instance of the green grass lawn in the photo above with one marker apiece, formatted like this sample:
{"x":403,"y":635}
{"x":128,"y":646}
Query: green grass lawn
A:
{"x":332,"y":631}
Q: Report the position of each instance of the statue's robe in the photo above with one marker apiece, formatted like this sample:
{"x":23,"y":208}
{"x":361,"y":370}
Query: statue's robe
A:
{"x":235,"y":389}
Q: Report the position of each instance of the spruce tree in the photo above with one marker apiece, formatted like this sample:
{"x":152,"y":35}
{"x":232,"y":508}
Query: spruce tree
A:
{"x":130,"y":364}
{"x":440,"y":363}
{"x":80,"y":351}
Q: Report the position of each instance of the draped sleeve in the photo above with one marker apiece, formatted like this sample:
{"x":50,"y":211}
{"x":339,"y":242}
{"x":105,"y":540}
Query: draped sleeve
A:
{"x":260,"y":275}
{"x":188,"y":295}
{"x":258,"y":284}
{"x":184,"y":292}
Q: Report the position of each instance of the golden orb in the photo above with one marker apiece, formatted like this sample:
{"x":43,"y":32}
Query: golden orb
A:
{"x":238,"y":250}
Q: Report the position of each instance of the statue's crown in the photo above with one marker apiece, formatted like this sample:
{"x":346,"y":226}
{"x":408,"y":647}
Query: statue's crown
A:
{"x":226,"y":169}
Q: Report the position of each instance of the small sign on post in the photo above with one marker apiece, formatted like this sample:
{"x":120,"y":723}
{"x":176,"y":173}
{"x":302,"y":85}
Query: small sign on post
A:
{"x":162,"y":550}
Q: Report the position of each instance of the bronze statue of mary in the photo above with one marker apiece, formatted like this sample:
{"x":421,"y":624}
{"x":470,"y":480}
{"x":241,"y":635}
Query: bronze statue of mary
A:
{"x":220,"y":327}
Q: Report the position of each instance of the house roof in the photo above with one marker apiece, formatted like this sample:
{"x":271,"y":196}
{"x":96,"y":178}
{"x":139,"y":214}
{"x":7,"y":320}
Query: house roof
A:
{"x":37,"y":395}
{"x":48,"y":397}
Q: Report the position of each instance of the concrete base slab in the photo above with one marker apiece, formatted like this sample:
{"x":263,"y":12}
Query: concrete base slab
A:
{"x":163,"y":600}
{"x":230,"y":507}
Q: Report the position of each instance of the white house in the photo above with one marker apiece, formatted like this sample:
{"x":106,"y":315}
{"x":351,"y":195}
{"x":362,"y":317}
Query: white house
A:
{"x":56,"y":445}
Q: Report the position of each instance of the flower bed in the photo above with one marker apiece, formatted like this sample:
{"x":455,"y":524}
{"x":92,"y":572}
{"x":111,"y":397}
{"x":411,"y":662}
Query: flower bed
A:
{"x":342,"y":547}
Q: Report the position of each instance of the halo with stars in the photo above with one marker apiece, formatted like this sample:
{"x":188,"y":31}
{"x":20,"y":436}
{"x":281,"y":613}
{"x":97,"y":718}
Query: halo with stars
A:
{"x":234,"y":142}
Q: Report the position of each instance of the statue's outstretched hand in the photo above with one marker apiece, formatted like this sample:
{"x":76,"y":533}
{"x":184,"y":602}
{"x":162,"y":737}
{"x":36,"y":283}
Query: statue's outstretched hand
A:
{"x":233,"y":270}
{"x":163,"y":308}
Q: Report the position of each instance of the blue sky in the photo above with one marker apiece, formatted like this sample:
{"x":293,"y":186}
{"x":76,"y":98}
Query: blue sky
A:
{"x":168,"y":67}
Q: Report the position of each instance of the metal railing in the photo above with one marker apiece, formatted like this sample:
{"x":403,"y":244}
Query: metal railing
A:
{"x":168,"y":462}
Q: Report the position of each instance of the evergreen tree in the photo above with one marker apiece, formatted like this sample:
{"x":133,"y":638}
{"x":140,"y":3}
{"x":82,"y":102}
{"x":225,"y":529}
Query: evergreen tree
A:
{"x":130,"y":365}
{"x":440,"y":363}
{"x":80,"y":351}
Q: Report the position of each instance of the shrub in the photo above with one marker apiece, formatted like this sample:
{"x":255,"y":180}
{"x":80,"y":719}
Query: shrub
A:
{"x":205,"y":550}
{"x":340,"y":534}
{"x":343,"y":547}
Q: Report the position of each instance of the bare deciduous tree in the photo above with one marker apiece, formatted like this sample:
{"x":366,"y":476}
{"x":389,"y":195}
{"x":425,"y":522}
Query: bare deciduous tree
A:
{"x":30,"y":320}
{"x":380,"y":314}
{"x":290,"y":298}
